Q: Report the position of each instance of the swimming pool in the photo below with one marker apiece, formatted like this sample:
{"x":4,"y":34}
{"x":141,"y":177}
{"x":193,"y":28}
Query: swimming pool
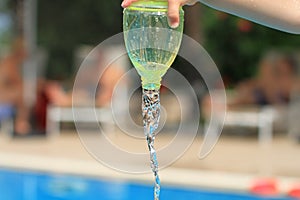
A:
{"x":28,"y":185}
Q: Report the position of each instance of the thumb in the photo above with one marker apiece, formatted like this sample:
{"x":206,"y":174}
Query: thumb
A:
{"x":173,"y":13}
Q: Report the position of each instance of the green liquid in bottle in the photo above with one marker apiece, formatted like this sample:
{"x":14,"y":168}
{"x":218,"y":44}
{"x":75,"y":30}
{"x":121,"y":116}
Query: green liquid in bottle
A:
{"x":151,"y":64}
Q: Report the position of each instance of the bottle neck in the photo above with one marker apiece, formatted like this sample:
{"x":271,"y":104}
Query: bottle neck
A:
{"x":153,"y":84}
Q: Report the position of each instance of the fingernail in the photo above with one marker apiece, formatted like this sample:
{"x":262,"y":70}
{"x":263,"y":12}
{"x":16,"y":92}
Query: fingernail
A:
{"x":174,"y":25}
{"x":123,"y":3}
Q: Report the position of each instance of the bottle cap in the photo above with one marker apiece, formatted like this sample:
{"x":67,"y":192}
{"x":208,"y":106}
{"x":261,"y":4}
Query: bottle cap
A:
{"x":151,"y":4}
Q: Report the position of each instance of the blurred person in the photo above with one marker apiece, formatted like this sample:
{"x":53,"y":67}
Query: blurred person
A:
{"x":11,"y":87}
{"x":39,"y":111}
{"x":280,"y":14}
{"x":273,"y":85}
{"x":276,"y":78}
{"x":105,"y":85}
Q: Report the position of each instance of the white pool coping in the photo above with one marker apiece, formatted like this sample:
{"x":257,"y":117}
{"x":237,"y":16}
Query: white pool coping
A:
{"x":169,"y":176}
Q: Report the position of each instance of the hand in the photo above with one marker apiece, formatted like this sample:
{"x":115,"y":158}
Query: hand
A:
{"x":173,"y":9}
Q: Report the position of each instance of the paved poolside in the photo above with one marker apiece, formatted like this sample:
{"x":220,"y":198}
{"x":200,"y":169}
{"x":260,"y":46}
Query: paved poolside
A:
{"x":234,"y":158}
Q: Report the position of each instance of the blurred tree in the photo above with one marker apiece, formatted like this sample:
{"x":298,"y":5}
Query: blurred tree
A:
{"x":10,"y":21}
{"x":64,"y":24}
{"x":192,"y":17}
{"x":236,"y":45}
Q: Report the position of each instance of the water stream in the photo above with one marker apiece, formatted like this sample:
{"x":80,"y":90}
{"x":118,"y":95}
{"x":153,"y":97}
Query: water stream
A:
{"x":151,"y":114}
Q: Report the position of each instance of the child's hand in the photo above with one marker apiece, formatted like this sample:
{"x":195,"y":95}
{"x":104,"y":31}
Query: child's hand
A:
{"x":173,"y":10}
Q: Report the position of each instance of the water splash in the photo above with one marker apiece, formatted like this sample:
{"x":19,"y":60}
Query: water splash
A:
{"x":151,"y":114}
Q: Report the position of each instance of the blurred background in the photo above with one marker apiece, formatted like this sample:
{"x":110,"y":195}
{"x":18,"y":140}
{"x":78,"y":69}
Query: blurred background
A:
{"x":42,"y":44}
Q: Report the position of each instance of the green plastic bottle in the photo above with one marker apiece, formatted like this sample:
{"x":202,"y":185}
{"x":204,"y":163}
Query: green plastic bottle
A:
{"x":151,"y":43}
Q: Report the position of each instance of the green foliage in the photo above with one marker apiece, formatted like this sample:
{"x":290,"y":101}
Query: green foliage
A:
{"x":65,"y":24}
{"x":236,"y":45}
{"x":5,"y":27}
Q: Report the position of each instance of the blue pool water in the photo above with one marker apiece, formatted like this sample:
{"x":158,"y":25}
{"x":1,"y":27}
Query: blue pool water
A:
{"x":16,"y":185}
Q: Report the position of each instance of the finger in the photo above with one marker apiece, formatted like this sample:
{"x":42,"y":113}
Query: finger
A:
{"x":173,"y":13}
{"x":127,"y":3}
